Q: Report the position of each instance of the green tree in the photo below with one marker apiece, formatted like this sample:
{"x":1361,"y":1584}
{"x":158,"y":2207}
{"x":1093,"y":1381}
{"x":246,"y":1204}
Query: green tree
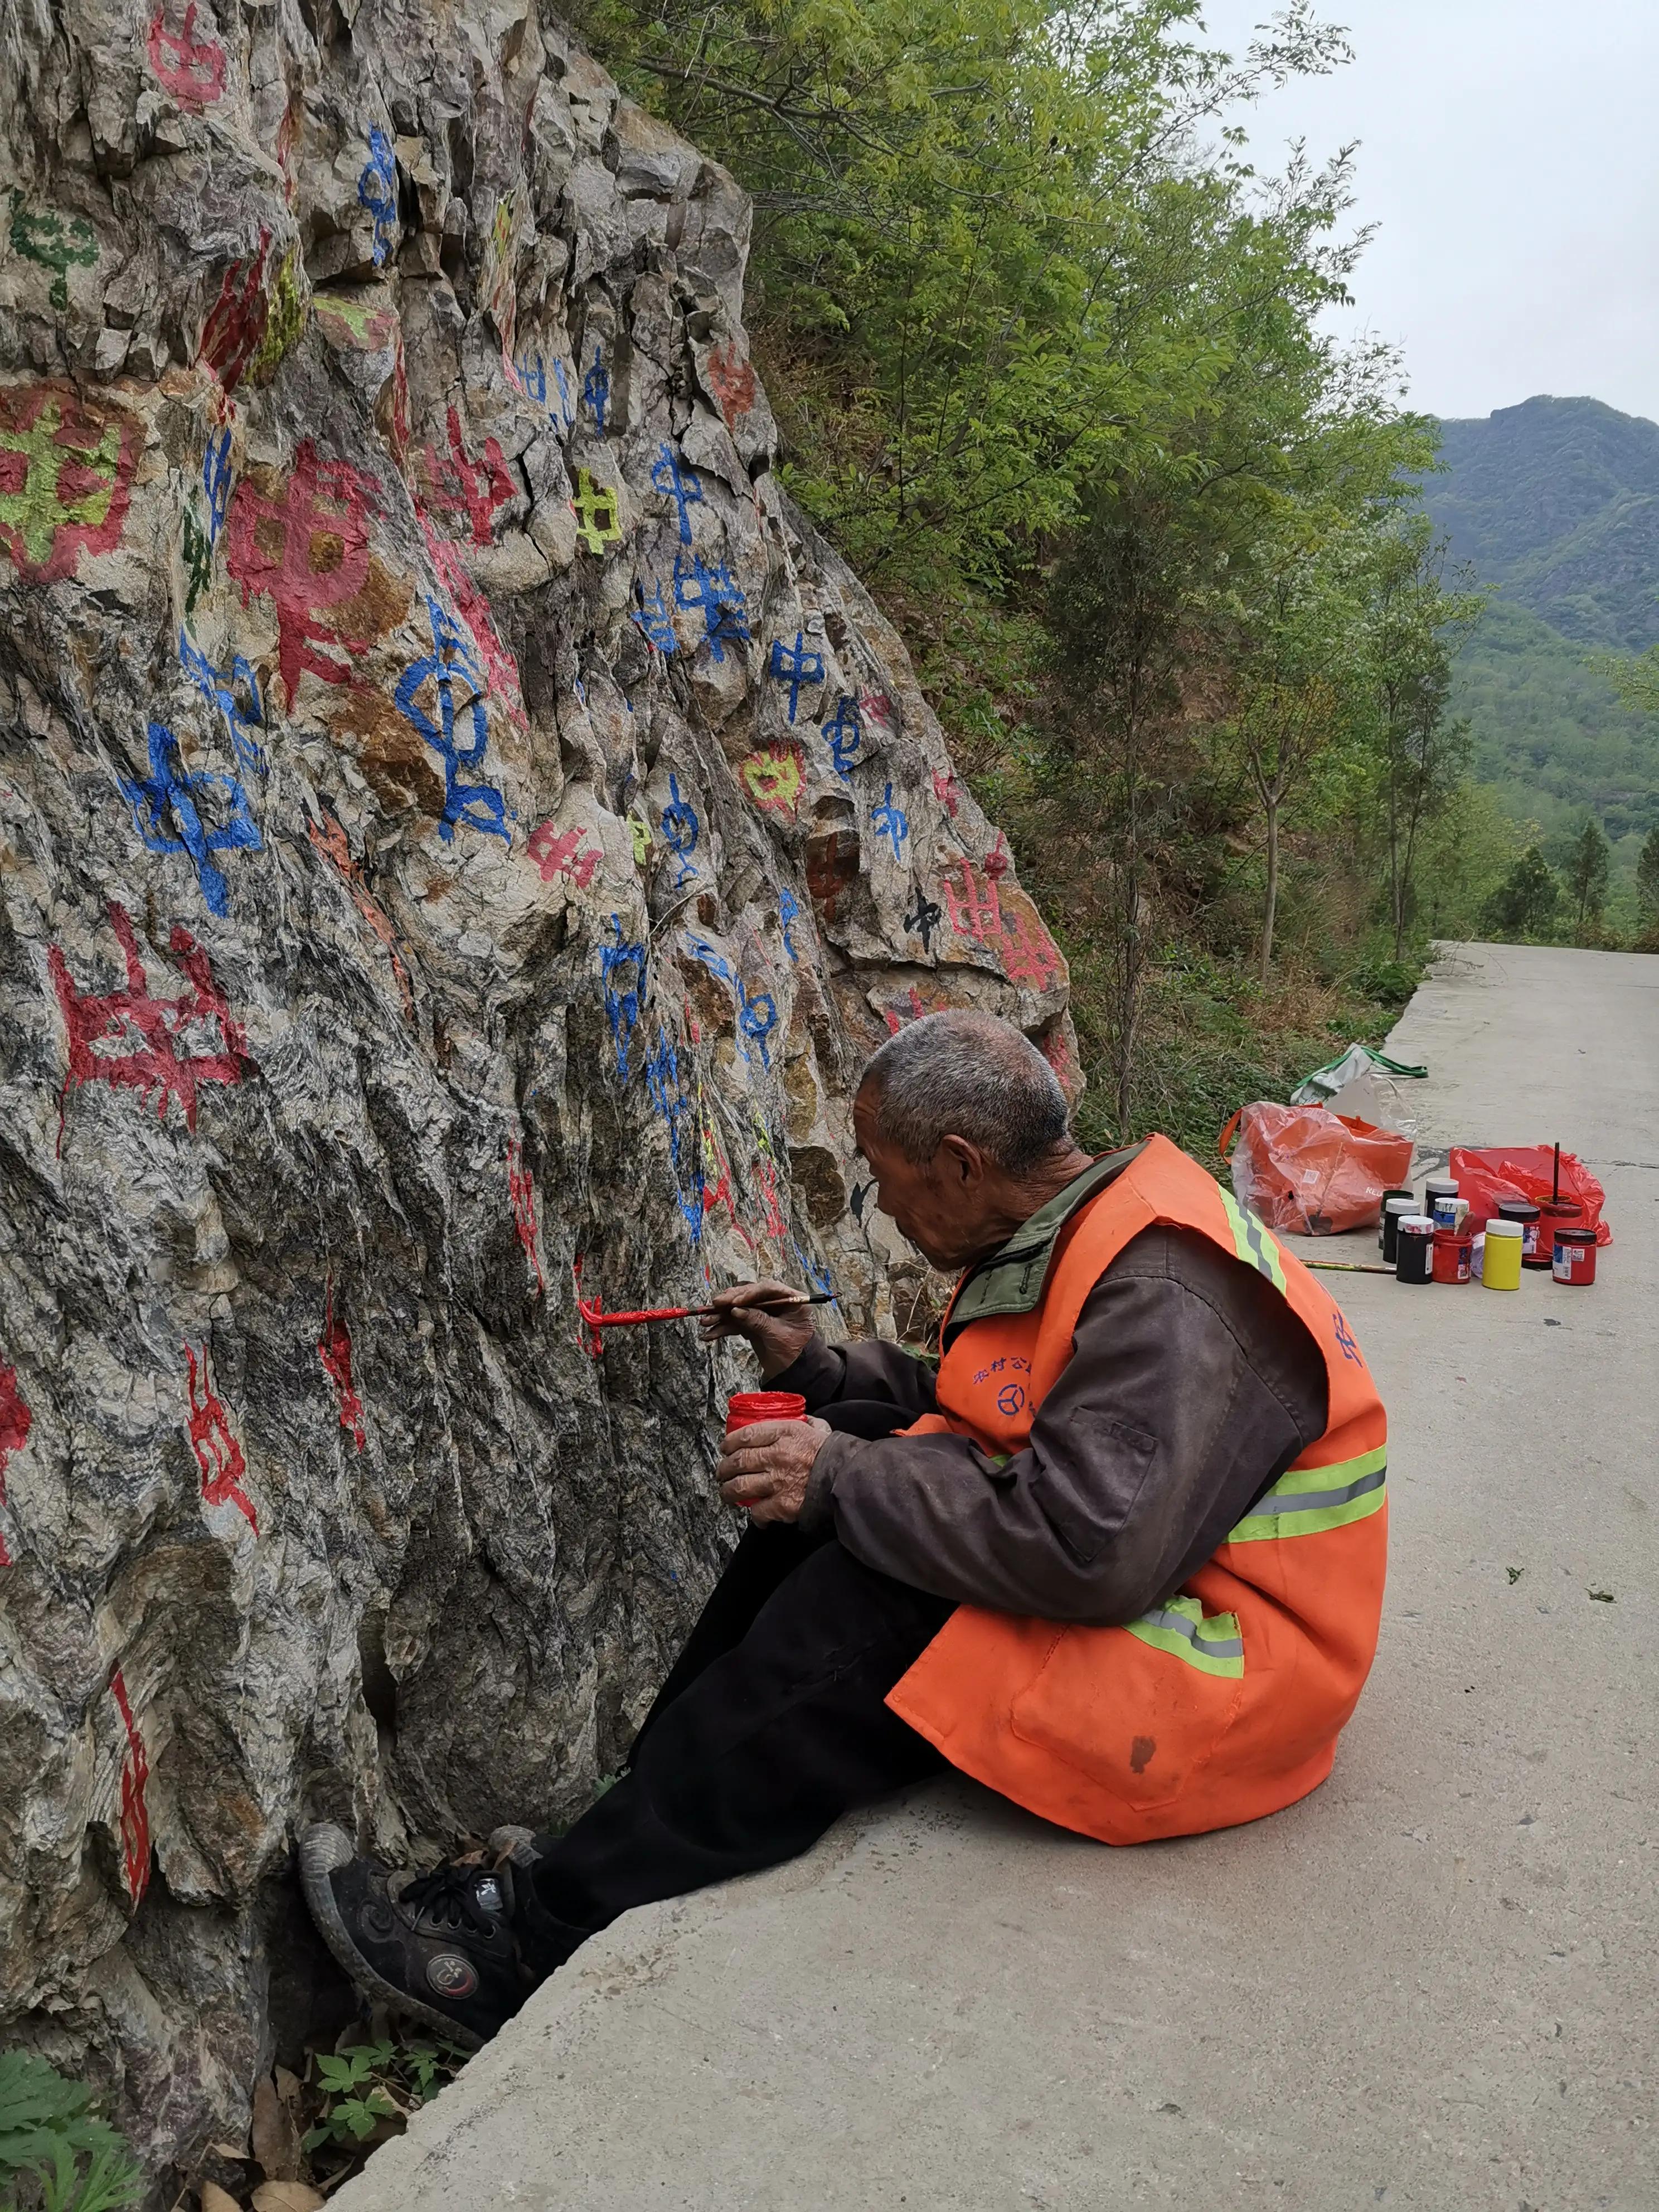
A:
{"x":1525,"y":902}
{"x":1647,"y":882}
{"x":1587,"y":877}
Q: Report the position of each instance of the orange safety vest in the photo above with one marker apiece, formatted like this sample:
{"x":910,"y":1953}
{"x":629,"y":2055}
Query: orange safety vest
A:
{"x":1225,"y":1702}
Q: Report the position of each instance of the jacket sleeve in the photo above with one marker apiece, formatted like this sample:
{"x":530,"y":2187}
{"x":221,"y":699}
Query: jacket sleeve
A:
{"x":829,"y":1373}
{"x":1191,"y":1387}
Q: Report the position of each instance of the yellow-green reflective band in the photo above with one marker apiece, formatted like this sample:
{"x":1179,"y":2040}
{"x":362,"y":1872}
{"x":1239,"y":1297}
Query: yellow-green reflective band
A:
{"x":1254,"y":1244}
{"x":1209,"y":1641}
{"x":1307,"y":1499}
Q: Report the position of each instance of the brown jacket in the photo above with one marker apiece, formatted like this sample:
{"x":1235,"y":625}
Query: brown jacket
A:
{"x":1191,"y":1388}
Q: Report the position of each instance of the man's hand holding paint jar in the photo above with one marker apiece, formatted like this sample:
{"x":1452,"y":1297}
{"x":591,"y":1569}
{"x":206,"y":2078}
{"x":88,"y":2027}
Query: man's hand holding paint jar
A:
{"x":765,"y":1465}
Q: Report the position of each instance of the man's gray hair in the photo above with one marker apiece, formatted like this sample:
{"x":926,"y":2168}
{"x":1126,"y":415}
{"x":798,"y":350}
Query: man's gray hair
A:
{"x":966,"y":1074}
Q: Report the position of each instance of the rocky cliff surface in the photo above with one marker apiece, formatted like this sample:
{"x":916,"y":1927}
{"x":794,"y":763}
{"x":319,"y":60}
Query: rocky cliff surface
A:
{"x":458,"y":828}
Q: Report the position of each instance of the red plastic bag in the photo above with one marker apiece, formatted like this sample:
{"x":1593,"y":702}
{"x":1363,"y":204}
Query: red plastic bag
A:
{"x":1499,"y":1171}
{"x":1310,"y":1172}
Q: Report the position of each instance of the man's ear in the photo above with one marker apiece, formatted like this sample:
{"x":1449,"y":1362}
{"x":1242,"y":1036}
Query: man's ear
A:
{"x":961,"y":1164}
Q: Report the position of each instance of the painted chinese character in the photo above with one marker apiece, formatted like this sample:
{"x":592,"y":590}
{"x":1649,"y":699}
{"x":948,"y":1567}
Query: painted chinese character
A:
{"x":845,"y":736}
{"x":452,"y":662}
{"x":887,"y":821}
{"x":725,"y":614}
{"x":596,"y":389}
{"x":377,"y":189}
{"x":599,"y":522}
{"x":654,"y":619}
{"x":458,"y":485}
{"x":65,"y":467}
{"x":624,"y":991}
{"x":192,"y":69}
{"x":788,"y":912}
{"x":216,"y":481}
{"x":924,"y":918}
{"x":795,"y":666}
{"x":55,"y":242}
{"x":218,"y":1455}
{"x":731,"y":380}
{"x":222,"y":692}
{"x":307,"y":549}
{"x":773,"y":778}
{"x":678,"y":484}
{"x":169,"y":793}
{"x":334,"y":1350}
{"x":558,"y":853}
{"x":679,"y":830}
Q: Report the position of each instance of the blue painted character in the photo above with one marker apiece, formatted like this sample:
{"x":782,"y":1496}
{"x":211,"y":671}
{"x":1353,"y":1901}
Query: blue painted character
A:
{"x":671,"y":1099}
{"x":623,"y":993}
{"x":532,"y":372}
{"x":168,"y":791}
{"x":796,"y":664}
{"x":845,"y":735}
{"x":377,"y":188}
{"x":216,"y":482}
{"x":679,"y":830}
{"x":654,"y":619}
{"x":567,"y":406}
{"x":596,"y":389}
{"x":220,"y":691}
{"x":678,"y":484}
{"x":451,"y":661}
{"x":716,"y":592}
{"x":717,"y":964}
{"x":887,"y":821}
{"x":789,"y":912}
{"x":758,"y":1017}
{"x":814,"y":1270}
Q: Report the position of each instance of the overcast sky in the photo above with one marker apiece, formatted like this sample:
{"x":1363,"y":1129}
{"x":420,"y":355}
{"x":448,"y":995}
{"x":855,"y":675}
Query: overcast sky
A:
{"x":1510,"y":157}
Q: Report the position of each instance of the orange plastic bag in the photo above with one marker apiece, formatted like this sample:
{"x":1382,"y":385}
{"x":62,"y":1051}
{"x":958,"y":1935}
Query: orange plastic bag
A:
{"x":1487,"y":1174}
{"x":1310,"y":1172}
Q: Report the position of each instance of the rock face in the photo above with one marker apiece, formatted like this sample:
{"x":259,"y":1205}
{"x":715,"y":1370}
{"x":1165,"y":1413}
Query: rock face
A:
{"x":457,"y":827}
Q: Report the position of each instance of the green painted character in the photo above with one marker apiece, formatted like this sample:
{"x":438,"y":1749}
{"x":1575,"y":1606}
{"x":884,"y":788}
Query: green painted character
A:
{"x":54,"y":241}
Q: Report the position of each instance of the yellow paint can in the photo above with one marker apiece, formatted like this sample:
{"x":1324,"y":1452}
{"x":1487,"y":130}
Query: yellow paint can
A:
{"x":1502,"y":1269}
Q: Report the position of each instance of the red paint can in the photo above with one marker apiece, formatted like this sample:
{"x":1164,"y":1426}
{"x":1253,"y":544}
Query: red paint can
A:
{"x":1452,"y":1251}
{"x":1575,"y":1256}
{"x":751,"y":1406}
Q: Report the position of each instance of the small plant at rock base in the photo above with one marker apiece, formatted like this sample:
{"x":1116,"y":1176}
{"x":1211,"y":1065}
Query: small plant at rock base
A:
{"x":375,"y":2082}
{"x":47,"y":2128}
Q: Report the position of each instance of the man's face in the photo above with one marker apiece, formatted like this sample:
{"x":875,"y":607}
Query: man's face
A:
{"x":946,"y":1206}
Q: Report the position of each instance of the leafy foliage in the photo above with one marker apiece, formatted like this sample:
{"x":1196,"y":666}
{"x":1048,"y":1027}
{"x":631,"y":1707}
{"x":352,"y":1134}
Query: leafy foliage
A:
{"x":373,"y":2084}
{"x":1524,"y":904}
{"x":48,"y":2128}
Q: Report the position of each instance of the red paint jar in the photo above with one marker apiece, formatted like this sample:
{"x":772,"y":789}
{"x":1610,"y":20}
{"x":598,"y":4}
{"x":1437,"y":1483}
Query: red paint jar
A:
{"x":1452,"y":1251}
{"x":751,"y":1406}
{"x":1575,"y":1256}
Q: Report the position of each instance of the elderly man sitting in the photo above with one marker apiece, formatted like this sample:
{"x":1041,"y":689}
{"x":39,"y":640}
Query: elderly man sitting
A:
{"x":1120,"y":1558}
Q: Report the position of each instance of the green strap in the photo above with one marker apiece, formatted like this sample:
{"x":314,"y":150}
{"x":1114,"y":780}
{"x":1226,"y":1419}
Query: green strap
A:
{"x":1255,"y":1245}
{"x":1306,"y":1500}
{"x":1209,"y":1641}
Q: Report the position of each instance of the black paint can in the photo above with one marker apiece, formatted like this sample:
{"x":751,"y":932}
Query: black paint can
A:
{"x":1394,"y":1212}
{"x":1382,"y":1218}
{"x":1414,"y":1259}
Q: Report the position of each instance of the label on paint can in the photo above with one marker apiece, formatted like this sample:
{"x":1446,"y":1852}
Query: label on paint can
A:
{"x":1574,"y":1259}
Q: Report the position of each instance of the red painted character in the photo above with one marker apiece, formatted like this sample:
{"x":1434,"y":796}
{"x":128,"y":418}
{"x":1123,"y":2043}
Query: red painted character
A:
{"x":334,"y":1350}
{"x":972,"y":905}
{"x":236,"y":322}
{"x":218,"y":1455}
{"x":473,"y":609}
{"x":146,"y":1032}
{"x":135,"y":1814}
{"x":65,"y":468}
{"x":558,"y":852}
{"x":307,"y":549}
{"x":731,"y":380}
{"x":521,"y":1191}
{"x":458,"y":485}
{"x":1029,"y":953}
{"x":16,"y":1422}
{"x":947,"y":791}
{"x":192,"y":69}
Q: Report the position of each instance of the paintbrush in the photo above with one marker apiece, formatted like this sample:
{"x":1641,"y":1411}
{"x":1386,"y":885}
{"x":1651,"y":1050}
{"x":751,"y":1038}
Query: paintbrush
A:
{"x":596,"y":1318}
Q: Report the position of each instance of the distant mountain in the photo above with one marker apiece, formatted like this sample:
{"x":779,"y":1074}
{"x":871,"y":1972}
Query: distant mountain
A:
{"x":1556,"y":502}
{"x":1555,"y":506}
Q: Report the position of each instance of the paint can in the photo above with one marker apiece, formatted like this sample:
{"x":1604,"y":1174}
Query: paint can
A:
{"x":1452,"y":1251}
{"x":1523,"y":1209}
{"x":1414,"y":1252}
{"x":1394,"y":1212}
{"x":1505,"y":1243}
{"x":751,"y":1406}
{"x":1555,"y":1214}
{"x":1388,"y":1196}
{"x":1574,"y":1259}
{"x":1436,"y":1188}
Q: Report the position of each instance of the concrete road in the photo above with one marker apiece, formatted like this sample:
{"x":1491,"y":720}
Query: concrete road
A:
{"x":1431,"y":1984}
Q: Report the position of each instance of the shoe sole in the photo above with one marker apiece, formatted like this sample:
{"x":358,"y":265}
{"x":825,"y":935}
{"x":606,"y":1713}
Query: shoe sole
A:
{"x":323,"y":1849}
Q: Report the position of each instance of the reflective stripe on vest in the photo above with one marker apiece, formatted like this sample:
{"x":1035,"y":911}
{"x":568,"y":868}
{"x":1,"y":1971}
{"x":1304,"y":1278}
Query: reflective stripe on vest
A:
{"x":1210,"y":1641}
{"x":1254,"y":1244}
{"x":1312,"y":1498}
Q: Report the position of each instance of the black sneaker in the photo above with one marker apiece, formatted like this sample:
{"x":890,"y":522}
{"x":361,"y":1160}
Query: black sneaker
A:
{"x":439,"y":1948}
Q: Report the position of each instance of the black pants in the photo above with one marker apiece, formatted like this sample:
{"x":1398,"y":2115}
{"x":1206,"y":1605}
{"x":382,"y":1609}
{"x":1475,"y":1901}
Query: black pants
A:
{"x":770,"y":1726}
